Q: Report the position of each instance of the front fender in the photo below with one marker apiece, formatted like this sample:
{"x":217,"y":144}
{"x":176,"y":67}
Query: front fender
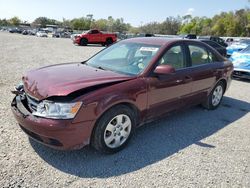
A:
{"x":132,"y":92}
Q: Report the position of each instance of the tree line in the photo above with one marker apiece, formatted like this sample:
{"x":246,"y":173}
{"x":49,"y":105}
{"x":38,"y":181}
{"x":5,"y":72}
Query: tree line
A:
{"x":82,"y":23}
{"x":233,"y":23}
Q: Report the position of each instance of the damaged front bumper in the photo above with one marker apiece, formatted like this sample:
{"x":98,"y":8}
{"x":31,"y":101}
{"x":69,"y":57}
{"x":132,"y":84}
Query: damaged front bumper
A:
{"x":58,"y":134}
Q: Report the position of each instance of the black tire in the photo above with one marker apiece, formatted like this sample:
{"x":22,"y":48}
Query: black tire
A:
{"x":84,"y":42}
{"x":100,"y":131}
{"x":103,"y":44}
{"x":209,"y":104}
{"x":109,"y":41}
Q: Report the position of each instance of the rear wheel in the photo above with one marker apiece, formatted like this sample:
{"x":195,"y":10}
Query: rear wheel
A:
{"x":83,"y":42}
{"x":109,"y":41}
{"x":215,"y":96}
{"x":114,"y":129}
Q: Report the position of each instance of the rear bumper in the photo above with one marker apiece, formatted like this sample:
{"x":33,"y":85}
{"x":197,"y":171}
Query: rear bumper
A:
{"x":58,"y":134}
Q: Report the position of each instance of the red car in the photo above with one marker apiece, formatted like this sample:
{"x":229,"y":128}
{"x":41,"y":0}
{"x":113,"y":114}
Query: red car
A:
{"x":95,"y":37}
{"x":101,"y":101}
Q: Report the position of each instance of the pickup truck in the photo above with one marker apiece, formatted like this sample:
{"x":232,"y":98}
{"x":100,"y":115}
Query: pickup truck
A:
{"x":95,"y":37}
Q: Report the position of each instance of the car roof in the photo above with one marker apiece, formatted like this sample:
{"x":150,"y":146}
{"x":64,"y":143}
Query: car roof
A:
{"x":153,"y":40}
{"x":164,"y":41}
{"x":206,"y":40}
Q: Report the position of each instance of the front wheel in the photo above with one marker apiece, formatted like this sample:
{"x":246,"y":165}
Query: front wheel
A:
{"x":114,"y":129}
{"x":83,"y":42}
{"x":215,"y":96}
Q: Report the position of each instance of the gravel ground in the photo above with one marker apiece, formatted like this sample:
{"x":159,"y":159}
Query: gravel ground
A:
{"x":192,"y":148}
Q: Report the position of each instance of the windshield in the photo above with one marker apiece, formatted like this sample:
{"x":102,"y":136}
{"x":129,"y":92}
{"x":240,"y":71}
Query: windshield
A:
{"x":125,"y":58}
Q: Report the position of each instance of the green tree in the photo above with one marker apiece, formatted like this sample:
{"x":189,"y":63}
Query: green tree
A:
{"x":134,"y":30}
{"x":170,"y":26}
{"x":101,"y":24}
{"x":151,"y":28}
{"x":120,"y":26}
{"x":233,"y":23}
{"x":4,"y":22}
{"x":15,"y":21}
{"x":82,"y":23}
{"x":66,"y":23}
{"x":205,"y":25}
{"x":43,"y":21}
{"x":110,"y":23}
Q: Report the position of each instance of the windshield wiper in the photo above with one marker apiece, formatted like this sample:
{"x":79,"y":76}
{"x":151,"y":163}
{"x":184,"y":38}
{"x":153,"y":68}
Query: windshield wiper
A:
{"x":97,"y":67}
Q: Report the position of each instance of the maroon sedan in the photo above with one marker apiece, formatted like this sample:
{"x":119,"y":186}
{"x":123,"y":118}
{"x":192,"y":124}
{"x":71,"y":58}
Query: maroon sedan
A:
{"x":101,"y":101}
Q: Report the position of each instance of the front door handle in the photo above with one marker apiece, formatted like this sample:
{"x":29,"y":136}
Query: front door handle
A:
{"x":179,"y":81}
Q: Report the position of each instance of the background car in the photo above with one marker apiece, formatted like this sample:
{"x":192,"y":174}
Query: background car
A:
{"x":32,"y":32}
{"x":61,"y":34}
{"x":15,"y":30}
{"x":221,"y":49}
{"x":238,"y":46}
{"x":144,"y":35}
{"x":241,"y":62}
{"x":95,"y":36}
{"x":215,"y":39}
{"x":190,"y":36}
{"x":25,"y":32}
{"x":41,"y":34}
{"x":56,"y":34}
{"x":229,"y":41}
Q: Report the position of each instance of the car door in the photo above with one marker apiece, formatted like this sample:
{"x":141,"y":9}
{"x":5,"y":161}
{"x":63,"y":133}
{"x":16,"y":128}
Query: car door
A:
{"x":94,"y":36}
{"x":203,"y":71}
{"x":166,"y":91}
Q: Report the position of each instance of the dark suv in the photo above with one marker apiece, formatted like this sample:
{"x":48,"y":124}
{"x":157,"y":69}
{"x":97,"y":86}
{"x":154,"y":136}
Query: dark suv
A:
{"x":215,"y":39}
{"x":221,"y":49}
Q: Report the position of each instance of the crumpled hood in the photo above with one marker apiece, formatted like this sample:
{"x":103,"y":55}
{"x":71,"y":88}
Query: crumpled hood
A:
{"x":63,"y":79}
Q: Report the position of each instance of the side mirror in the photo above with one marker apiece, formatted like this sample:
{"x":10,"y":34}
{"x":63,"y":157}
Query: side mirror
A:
{"x":164,"y":69}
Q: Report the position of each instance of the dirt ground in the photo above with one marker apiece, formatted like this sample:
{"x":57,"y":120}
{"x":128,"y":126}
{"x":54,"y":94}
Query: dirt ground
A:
{"x":192,"y":148}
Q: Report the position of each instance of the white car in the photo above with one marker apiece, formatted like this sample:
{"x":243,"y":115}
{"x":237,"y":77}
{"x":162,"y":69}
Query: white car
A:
{"x":41,"y":34}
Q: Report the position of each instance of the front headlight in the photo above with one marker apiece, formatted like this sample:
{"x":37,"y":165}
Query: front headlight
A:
{"x":57,"y":110}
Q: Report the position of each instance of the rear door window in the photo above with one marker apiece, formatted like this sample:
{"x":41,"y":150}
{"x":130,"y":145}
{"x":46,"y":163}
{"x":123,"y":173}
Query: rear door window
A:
{"x":199,"y":55}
